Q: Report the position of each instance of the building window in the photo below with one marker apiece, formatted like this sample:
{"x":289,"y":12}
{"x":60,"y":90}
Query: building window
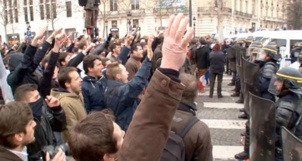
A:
{"x":253,"y":7}
{"x":5,"y":13}
{"x":134,"y":4}
{"x":68,"y":9}
{"x":246,"y":7}
{"x":114,"y":24}
{"x":28,"y":8}
{"x":54,"y":8}
{"x":16,"y":11}
{"x":51,"y":11}
{"x":241,"y":5}
{"x":135,"y":23}
{"x":42,"y":12}
{"x":25,"y":10}
{"x":113,"y":5}
{"x":31,"y":10}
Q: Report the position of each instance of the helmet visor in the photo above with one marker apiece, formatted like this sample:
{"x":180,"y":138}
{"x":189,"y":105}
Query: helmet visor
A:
{"x":276,"y":85}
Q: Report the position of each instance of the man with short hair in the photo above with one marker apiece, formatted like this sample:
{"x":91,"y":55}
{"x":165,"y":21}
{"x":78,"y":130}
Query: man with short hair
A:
{"x":16,"y":131}
{"x":87,"y":143}
{"x":48,"y":114}
{"x":121,"y":95}
{"x":134,"y":62}
{"x":115,"y":50}
{"x":197,"y":141}
{"x":71,"y":97}
{"x":93,"y":95}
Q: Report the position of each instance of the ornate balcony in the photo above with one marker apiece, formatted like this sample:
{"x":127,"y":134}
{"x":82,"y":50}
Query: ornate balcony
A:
{"x":170,"y":10}
{"x":213,"y":10}
{"x":138,"y":12}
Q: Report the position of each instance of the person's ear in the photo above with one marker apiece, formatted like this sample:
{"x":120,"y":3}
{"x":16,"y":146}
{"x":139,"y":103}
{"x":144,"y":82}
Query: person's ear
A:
{"x":18,"y":138}
{"x":108,"y":157}
{"x":118,"y":76}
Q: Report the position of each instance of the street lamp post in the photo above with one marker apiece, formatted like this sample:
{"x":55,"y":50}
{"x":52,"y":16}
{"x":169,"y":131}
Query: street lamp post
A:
{"x":129,"y":21}
{"x":106,"y":27}
{"x":194,"y":20}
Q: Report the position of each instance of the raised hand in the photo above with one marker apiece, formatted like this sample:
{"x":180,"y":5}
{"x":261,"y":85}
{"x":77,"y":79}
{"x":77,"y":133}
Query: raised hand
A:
{"x":175,"y":43}
{"x":60,"y":156}
{"x":52,"y":101}
{"x":149,"y":47}
{"x":128,"y":40}
{"x":40,"y":35}
{"x":54,"y":34}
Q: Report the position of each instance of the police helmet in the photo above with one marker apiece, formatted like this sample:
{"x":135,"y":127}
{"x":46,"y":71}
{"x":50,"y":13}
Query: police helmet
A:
{"x":272,"y":51}
{"x":292,"y":79}
{"x":255,"y":47}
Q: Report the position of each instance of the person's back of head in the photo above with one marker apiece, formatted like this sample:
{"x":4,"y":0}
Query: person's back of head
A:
{"x":217,"y":47}
{"x":191,"y":87}
{"x":117,"y":71}
{"x":16,"y":125}
{"x":95,"y":138}
{"x":82,"y":44}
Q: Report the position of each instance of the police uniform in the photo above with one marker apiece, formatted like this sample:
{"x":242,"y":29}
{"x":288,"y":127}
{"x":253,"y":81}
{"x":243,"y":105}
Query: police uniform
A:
{"x":288,"y":106}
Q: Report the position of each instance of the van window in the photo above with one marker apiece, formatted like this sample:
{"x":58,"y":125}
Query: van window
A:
{"x":258,"y":38}
{"x":293,"y":42}
{"x":279,"y":42}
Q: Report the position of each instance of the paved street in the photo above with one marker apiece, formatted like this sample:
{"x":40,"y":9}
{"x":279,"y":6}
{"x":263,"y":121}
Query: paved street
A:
{"x":221,"y":115}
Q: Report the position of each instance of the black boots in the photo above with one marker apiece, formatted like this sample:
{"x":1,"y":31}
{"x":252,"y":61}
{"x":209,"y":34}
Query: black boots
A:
{"x":242,"y":156}
{"x":245,"y":154}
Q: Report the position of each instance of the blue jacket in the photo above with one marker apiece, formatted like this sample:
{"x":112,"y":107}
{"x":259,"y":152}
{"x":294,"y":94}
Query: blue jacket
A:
{"x":93,"y":95}
{"x":122,"y":98}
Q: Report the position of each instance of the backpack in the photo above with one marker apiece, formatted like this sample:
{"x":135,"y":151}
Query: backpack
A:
{"x":174,"y":149}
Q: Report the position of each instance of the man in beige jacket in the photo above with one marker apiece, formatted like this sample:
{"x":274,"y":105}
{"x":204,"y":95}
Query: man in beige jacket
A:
{"x":71,"y":98}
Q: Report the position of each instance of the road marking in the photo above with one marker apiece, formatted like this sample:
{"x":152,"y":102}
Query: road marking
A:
{"x":226,"y":152}
{"x":206,"y":93}
{"x":224,"y":124}
{"x":222,"y":105}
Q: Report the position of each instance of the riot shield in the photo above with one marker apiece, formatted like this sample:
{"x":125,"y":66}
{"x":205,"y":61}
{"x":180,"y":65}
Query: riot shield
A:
{"x":292,"y":146}
{"x":262,"y":132}
{"x":251,"y":83}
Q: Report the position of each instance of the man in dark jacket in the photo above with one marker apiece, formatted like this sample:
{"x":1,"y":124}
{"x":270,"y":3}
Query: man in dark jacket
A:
{"x":197,"y":141}
{"x":92,"y":86}
{"x":121,"y":95}
{"x":202,"y":58}
{"x":93,"y":95}
{"x":48,"y":115}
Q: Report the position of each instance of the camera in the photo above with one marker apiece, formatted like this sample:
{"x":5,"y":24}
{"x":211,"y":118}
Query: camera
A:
{"x":53,"y":150}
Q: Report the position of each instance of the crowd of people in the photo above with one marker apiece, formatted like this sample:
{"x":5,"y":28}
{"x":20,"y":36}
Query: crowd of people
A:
{"x":101,"y":100}
{"x":89,"y":100}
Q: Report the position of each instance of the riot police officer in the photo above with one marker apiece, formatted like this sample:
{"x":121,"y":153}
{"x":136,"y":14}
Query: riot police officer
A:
{"x":297,"y":50}
{"x":267,"y":61}
{"x":269,"y":64}
{"x":287,"y":86}
{"x":296,"y":56}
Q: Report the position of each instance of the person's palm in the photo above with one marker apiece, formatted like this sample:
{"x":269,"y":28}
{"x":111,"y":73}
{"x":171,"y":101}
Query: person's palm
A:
{"x":40,"y":34}
{"x":175,"y":42}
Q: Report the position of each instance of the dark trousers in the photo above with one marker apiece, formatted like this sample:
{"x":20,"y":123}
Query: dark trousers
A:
{"x":212,"y":83}
{"x":234,"y":76}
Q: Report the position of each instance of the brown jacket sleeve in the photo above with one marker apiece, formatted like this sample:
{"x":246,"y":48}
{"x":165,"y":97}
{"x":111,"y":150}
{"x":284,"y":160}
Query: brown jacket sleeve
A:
{"x":149,"y":129}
